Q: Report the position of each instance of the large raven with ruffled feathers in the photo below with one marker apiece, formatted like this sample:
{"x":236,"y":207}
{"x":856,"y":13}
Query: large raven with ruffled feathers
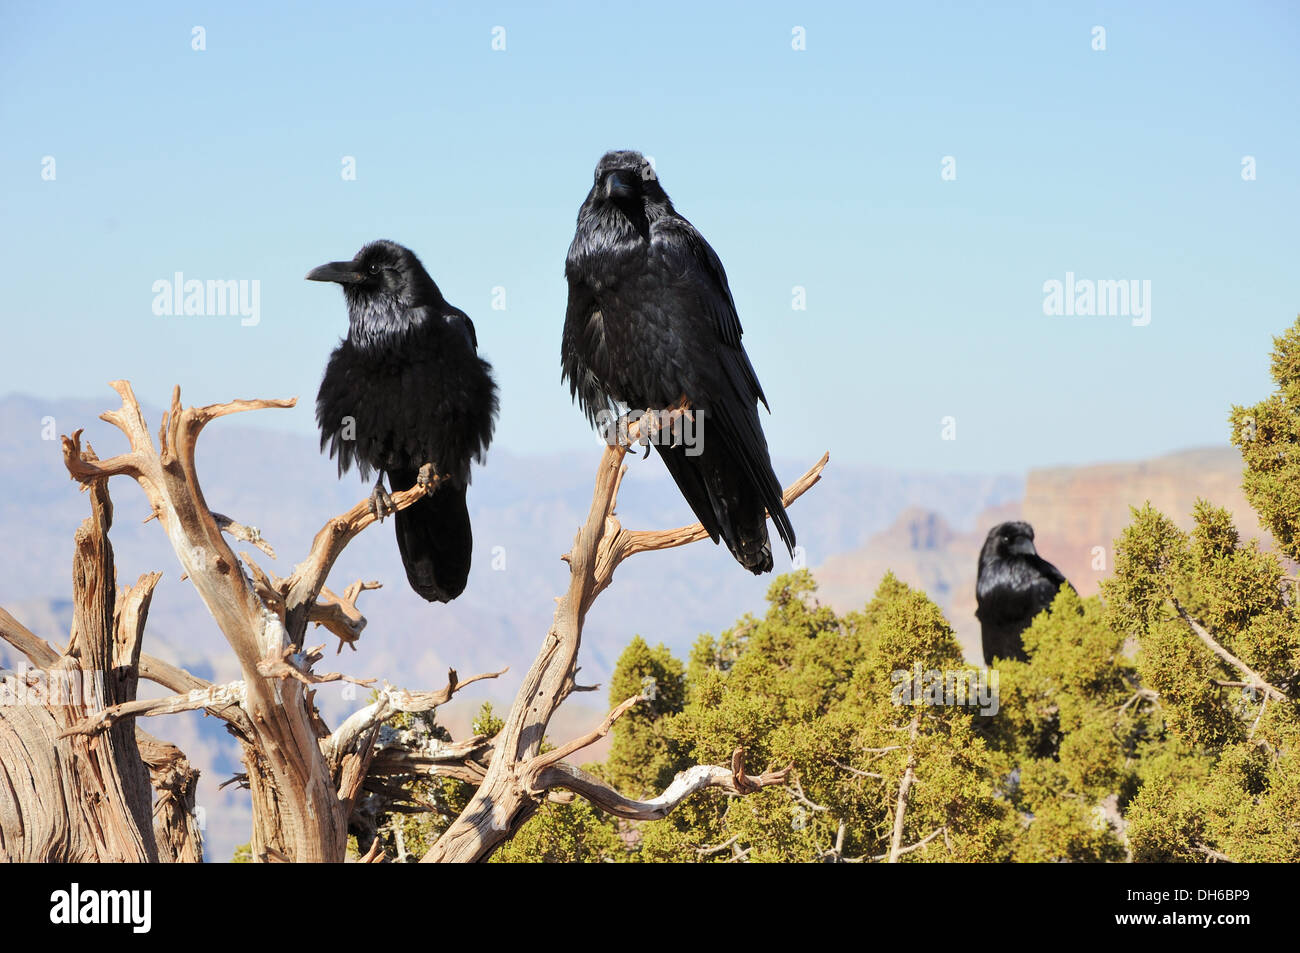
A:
{"x":651,"y":321}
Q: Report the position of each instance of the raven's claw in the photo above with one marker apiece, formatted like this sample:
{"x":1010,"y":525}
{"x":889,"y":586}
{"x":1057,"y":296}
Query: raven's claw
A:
{"x":381,"y":503}
{"x":649,"y":429}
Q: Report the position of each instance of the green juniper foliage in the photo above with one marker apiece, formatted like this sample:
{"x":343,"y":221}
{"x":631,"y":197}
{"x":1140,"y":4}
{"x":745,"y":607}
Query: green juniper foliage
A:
{"x":1230,"y":786}
{"x":1268,"y":436}
{"x":1072,"y":724}
{"x":802,"y":686}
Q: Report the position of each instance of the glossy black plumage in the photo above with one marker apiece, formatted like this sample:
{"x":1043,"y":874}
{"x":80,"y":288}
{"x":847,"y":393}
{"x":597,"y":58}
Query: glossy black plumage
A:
{"x":406,"y":388}
{"x":650,"y":319}
{"x":1014,"y":585}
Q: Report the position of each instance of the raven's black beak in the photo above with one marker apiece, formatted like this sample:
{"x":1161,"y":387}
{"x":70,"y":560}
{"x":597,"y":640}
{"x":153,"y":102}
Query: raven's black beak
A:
{"x":344,"y":272}
{"x":620,"y":185}
{"x":1022,"y":546}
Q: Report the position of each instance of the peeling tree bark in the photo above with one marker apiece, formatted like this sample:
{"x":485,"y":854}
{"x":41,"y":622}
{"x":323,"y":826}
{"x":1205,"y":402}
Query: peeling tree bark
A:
{"x":68,"y":797}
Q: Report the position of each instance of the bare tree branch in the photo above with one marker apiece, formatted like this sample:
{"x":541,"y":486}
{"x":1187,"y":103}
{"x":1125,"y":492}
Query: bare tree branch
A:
{"x":1254,"y":678}
{"x":463,"y":760}
{"x":132,"y":606}
{"x":795,"y":790}
{"x":339,"y":614}
{"x":1215,"y":856}
{"x":68,"y":798}
{"x":543,"y":761}
{"x":36,"y":650}
{"x":389,"y":703}
{"x":248,"y":534}
{"x":297,"y":810}
{"x":216,"y":698}
{"x":897,"y":852}
{"x":176,"y":829}
{"x":686,"y":783}
{"x":858,"y":774}
{"x":305,"y":583}
{"x":904,"y":790}
{"x":708,"y":851}
{"x":643,"y":541}
{"x":283,"y":667}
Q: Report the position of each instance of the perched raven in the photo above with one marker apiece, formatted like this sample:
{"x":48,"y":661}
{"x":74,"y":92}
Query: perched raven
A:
{"x":1013,"y":586}
{"x":406,"y":394}
{"x":651,"y":321}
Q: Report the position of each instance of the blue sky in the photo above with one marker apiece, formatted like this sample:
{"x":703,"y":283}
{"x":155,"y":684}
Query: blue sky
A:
{"x":817,"y":168}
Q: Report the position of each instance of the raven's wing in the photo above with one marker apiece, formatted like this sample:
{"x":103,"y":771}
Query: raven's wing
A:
{"x":460,"y":322}
{"x":336,"y":406}
{"x":583,"y":346}
{"x":1049,"y":571}
{"x":691,"y":249}
{"x":718,"y":376}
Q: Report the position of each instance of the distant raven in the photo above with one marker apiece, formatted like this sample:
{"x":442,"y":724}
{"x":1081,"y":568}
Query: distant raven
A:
{"x":406,"y":394}
{"x":1013,"y":586}
{"x":651,"y":321}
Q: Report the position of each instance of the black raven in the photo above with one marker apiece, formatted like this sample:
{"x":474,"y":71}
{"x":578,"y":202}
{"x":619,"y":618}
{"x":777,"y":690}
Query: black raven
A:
{"x":406,"y":394}
{"x":651,"y":321}
{"x":1014,"y":585}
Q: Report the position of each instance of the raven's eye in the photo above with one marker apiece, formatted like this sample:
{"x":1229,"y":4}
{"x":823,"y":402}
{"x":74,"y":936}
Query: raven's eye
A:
{"x":374,"y":269}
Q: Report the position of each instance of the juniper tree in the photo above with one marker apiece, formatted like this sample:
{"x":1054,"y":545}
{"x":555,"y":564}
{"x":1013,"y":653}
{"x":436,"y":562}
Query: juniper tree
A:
{"x":1220,"y":643}
{"x":1268,"y":435}
{"x":1217,"y":622}
{"x":803,"y":686}
{"x":1073,"y":724}
{"x":642,"y":759}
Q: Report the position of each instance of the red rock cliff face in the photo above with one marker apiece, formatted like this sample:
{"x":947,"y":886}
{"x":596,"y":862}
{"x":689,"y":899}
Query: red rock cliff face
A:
{"x":1076,"y":512}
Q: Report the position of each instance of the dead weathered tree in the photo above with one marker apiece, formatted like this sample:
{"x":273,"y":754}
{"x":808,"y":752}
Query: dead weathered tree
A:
{"x":80,"y":780}
{"x":519,"y":777}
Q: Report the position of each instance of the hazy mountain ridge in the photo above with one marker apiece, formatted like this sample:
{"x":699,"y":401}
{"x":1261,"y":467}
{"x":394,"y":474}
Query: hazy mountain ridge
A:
{"x":525,"y":512}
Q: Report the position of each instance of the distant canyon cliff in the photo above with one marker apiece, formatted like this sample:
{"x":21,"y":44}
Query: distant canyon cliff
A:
{"x":1076,"y":512}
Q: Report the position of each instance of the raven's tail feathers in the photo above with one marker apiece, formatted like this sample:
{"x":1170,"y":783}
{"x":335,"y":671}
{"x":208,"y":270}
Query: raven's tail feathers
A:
{"x":743,"y":517}
{"x":724,"y":496}
{"x":435,"y":541}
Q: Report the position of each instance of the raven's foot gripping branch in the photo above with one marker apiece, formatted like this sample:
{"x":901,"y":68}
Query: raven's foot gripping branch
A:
{"x":381,"y":502}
